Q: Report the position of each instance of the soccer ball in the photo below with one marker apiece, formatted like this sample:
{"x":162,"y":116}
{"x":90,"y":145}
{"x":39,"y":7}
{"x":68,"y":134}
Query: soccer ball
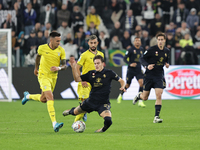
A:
{"x":79,"y":126}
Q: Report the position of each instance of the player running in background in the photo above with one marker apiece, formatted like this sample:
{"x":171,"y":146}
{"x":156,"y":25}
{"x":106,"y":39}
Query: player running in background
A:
{"x":86,"y":62}
{"x":100,"y":80}
{"x":134,"y":68}
{"x":48,"y":62}
{"x":154,"y":59}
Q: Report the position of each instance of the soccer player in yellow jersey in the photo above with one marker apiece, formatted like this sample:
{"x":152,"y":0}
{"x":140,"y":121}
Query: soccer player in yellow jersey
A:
{"x":86,"y":62}
{"x":50,"y":59}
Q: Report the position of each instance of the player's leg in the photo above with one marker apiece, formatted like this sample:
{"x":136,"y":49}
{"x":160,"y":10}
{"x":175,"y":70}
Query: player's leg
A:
{"x":27,"y":97}
{"x":158,"y":105}
{"x":104,"y":112}
{"x":141,"y":103}
{"x":73,"y":111}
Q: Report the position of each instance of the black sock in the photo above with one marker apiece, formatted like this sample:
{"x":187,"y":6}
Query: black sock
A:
{"x":140,"y":89}
{"x":157,"y":110}
{"x":107,"y":123}
{"x":122,"y":92}
{"x":71,"y":112}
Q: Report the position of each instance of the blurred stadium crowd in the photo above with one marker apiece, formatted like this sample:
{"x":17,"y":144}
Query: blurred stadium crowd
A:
{"x":115,"y":22}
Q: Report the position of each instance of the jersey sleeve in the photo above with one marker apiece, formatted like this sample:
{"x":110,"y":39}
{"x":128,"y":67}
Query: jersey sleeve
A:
{"x":85,"y":77}
{"x":114,"y":76}
{"x":144,"y":57}
{"x":63,"y":55}
{"x":81,"y":60}
{"x":39,"y":50}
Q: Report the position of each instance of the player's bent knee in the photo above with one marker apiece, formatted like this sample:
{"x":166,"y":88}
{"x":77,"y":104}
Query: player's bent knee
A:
{"x":145,"y":98}
{"x":43,"y":100}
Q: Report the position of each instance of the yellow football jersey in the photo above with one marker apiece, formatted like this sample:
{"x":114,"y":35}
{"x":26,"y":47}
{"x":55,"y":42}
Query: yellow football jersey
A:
{"x":49,"y":58}
{"x":86,"y":61}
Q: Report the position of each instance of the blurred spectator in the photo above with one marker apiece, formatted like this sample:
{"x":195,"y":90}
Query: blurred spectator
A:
{"x":116,"y":31}
{"x":148,"y":12}
{"x":104,"y":44}
{"x":126,"y":40}
{"x":193,"y":4}
{"x":37,"y":27}
{"x":170,"y":43}
{"x":165,"y":6}
{"x":64,"y":30}
{"x":84,"y":43}
{"x":196,"y":42}
{"x":70,"y":49}
{"x":192,"y":21}
{"x":63,"y":15}
{"x":9,"y":23}
{"x":47,"y":27}
{"x":129,"y":22}
{"x":36,"y":7}
{"x":156,"y":26}
{"x":184,"y":29}
{"x":20,"y":18}
{"x":144,"y":25}
{"x":47,"y":16}
{"x":76,"y":18}
{"x":31,"y":45}
{"x":145,"y":39}
{"x":93,"y":17}
{"x":180,"y":14}
{"x":45,"y":2}
{"x":153,"y":41}
{"x":15,"y":51}
{"x":117,"y":11}
{"x":136,"y":7}
{"x":99,"y":6}
{"x":170,"y":28}
{"x":78,"y":40}
{"x":46,"y":36}
{"x":40,"y":39}
{"x":137,"y":33}
{"x":69,"y":37}
{"x":93,"y":30}
{"x":115,"y":43}
{"x":178,"y":36}
{"x":29,"y":18}
{"x":187,"y":41}
{"x":20,"y":45}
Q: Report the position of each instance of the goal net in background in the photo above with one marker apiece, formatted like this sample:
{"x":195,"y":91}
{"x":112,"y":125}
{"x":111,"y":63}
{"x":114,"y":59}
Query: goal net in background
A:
{"x":7,"y":90}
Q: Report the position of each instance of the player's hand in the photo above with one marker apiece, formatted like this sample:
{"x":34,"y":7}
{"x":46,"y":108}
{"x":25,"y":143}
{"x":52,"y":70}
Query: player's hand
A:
{"x":72,"y":61}
{"x":166,"y":65}
{"x":122,"y":89}
{"x":54,"y":68}
{"x":36,"y":72}
{"x":133,"y":64}
{"x":84,"y":84}
{"x":151,"y":66}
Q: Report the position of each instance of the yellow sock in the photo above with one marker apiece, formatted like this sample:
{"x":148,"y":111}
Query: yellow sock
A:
{"x":79,"y":117}
{"x":51,"y":110}
{"x":35,"y":97}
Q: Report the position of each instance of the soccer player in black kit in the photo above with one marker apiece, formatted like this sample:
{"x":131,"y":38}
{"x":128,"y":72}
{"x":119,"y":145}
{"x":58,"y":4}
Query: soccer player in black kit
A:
{"x":154,"y":59}
{"x":100,"y":80}
{"x":134,"y":68}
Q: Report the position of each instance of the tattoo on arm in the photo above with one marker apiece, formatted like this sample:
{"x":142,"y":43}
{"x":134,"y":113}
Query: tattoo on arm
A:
{"x":37,"y":61}
{"x":80,"y":110}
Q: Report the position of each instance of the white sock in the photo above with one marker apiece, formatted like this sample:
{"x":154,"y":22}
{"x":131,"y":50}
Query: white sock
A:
{"x":27,"y":96}
{"x":54,"y":123}
{"x":140,"y":100}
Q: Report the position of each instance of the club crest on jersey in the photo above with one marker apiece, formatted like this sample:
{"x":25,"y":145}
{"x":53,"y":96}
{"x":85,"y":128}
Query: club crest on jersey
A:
{"x":58,"y":53}
{"x":140,"y":52}
{"x":93,"y":75}
{"x":104,"y":75}
{"x":98,"y":79}
{"x":156,"y":53}
{"x":165,"y":54}
{"x":134,"y":51}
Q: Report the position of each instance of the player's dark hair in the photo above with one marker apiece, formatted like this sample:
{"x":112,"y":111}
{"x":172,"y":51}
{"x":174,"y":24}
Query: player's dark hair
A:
{"x":137,"y":37}
{"x":98,"y":57}
{"x":160,"y":34}
{"x":54,"y":34}
{"x":92,"y":37}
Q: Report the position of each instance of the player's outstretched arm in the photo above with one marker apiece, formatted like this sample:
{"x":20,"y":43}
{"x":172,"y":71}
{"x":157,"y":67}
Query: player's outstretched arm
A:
{"x":75,"y":73}
{"x":37,"y":62}
{"x":122,"y":83}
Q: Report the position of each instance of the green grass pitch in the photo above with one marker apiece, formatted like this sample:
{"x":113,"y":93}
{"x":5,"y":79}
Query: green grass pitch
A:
{"x":29,"y":127}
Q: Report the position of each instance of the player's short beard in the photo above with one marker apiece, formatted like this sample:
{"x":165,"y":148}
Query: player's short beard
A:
{"x":93,"y":49}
